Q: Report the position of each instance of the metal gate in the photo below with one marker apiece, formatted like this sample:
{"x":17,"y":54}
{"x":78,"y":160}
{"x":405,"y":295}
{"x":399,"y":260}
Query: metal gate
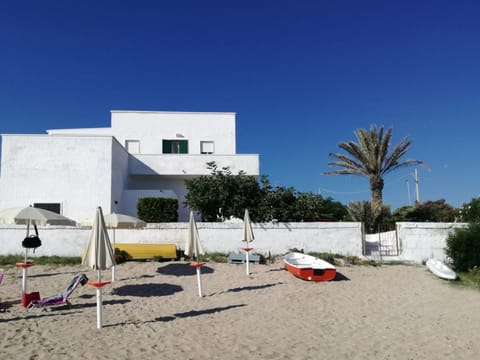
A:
{"x":388,"y":240}
{"x":383,"y":243}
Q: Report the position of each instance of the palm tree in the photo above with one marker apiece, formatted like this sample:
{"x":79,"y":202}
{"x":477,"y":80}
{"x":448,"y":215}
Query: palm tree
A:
{"x":370,"y":158}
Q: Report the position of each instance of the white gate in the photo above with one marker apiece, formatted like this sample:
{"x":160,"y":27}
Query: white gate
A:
{"x":383,"y":243}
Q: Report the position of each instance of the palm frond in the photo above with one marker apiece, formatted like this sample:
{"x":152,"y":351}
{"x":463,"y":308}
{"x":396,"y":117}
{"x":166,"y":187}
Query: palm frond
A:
{"x":369,"y":156}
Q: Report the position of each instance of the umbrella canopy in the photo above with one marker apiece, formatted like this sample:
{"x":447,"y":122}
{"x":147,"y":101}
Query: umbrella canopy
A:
{"x":192,"y":245}
{"x":34,"y":216}
{"x":121,"y":221}
{"x":31,"y":216}
{"x":99,"y":254}
{"x":247,"y":229}
{"x":248,"y":237}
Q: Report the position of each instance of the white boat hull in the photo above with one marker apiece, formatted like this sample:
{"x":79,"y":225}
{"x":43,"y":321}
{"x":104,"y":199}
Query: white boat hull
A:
{"x":440,"y":269}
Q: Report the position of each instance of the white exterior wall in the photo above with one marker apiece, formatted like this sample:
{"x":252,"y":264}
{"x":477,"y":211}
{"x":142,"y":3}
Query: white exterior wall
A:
{"x":151,"y":127}
{"x":73,"y":171}
{"x":184,"y":165}
{"x":85,"y":168}
{"x":119,"y":180}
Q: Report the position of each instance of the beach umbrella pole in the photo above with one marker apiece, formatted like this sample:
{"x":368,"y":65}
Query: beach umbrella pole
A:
{"x":199,"y":282}
{"x":99,"y":308}
{"x":24,"y":280}
{"x":247,"y":260}
{"x":24,"y":274}
{"x":99,"y":302}
{"x":113,"y":267}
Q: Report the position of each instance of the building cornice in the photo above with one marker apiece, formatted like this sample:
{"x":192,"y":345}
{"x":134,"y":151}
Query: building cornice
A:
{"x":170,"y":112}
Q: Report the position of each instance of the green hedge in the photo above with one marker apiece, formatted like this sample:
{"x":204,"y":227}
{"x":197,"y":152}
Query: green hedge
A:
{"x":156,"y":210}
{"x":463,"y":247}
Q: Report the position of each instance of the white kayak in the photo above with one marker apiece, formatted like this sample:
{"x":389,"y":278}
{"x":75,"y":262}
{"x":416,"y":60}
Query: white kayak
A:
{"x":441,"y":270}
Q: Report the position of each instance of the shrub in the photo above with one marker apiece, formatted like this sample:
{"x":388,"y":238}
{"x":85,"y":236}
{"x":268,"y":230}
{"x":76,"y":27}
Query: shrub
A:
{"x":470,"y":212}
{"x":156,"y":210}
{"x":121,"y":256}
{"x":429,"y":211}
{"x":463,"y":247}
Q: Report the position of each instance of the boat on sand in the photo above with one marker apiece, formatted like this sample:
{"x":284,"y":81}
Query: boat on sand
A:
{"x":308,"y":267}
{"x":440,"y":269}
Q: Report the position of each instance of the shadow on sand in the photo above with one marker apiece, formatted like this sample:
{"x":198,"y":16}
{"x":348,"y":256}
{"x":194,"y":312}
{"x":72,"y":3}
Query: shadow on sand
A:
{"x":94,"y":304}
{"x":340,"y":277}
{"x":250,"y":288}
{"x":182,"y":270}
{"x":193,"y":313}
{"x":50,"y":274}
{"x":147,"y":290}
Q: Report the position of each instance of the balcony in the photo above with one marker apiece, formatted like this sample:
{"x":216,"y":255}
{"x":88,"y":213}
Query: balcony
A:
{"x":190,"y":165}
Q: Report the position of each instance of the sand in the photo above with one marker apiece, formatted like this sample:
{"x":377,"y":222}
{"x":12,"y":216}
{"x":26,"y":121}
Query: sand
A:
{"x":153,"y":311}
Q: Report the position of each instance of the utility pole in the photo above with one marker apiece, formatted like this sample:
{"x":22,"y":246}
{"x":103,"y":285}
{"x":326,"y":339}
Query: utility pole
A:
{"x":417,"y":192}
{"x":408,"y":192}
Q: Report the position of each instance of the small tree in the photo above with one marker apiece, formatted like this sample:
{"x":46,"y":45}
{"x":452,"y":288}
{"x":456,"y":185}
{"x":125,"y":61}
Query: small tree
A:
{"x":470,"y":212}
{"x":463,"y":247}
{"x":431,"y":211}
{"x":221,"y":194}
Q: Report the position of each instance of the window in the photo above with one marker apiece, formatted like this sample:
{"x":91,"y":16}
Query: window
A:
{"x":207,"y":147}
{"x":54,"y":207}
{"x":175,"y":146}
{"x":132,"y":146}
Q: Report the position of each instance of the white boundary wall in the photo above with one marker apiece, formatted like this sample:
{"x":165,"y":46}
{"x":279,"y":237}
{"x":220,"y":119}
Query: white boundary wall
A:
{"x":418,"y":241}
{"x":274,"y":239}
{"x":422,"y":241}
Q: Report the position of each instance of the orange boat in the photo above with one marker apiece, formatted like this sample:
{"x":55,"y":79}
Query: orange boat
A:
{"x":309,"y":268}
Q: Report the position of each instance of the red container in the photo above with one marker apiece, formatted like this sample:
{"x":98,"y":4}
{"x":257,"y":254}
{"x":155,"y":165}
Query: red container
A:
{"x":28,"y":298}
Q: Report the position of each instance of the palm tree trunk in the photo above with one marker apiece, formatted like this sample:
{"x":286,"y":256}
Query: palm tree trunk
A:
{"x":376,"y":188}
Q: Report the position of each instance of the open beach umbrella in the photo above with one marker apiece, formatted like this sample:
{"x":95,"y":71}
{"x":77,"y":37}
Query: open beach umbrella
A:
{"x":31,"y":216}
{"x":121,"y":221}
{"x":247,"y":237}
{"x":99,"y":256}
{"x":193,"y":248}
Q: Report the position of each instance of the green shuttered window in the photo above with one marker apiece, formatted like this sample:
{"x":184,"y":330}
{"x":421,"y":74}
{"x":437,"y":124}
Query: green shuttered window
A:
{"x":175,"y":146}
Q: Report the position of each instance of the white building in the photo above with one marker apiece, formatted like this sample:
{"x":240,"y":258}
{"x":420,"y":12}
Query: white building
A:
{"x":142,"y":154}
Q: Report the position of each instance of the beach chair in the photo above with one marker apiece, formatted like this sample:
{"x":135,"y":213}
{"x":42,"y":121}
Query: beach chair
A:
{"x":61,"y":298}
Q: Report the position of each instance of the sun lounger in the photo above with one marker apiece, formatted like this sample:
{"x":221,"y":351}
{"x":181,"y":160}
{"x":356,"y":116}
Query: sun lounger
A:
{"x":61,"y":298}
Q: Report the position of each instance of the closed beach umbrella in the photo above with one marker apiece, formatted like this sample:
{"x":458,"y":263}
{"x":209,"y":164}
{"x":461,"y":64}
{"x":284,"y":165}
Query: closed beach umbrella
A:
{"x":99,"y":256}
{"x":121,"y":221}
{"x":193,"y":248}
{"x":247,"y":237}
{"x":31,"y":216}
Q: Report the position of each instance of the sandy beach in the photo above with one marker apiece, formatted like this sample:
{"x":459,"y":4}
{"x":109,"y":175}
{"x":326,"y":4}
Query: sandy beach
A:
{"x":153,"y":311}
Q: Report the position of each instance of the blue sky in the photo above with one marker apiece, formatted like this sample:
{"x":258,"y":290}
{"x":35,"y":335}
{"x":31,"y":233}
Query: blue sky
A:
{"x":301,"y":76}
